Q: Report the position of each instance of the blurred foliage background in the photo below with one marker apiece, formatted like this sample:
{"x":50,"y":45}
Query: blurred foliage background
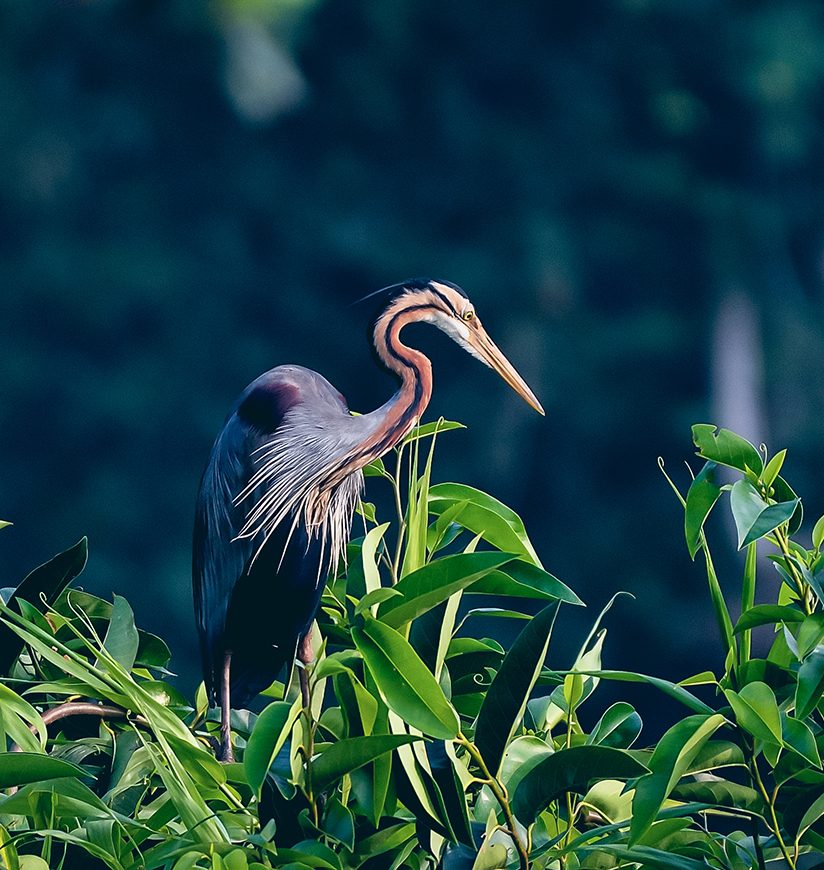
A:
{"x":192,"y":193}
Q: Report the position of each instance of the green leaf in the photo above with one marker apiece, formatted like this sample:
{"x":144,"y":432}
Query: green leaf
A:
{"x":505,"y":702}
{"x":810,"y":684}
{"x":673,"y":690}
{"x":573,"y":769}
{"x":726,"y":448}
{"x":754,"y":518}
{"x":351,"y":753}
{"x":813,"y":814}
{"x":701,"y":497}
{"x":810,"y":633}
{"x":756,"y":711}
{"x":773,"y":468}
{"x":782,"y":491}
{"x":619,"y":727}
{"x":121,"y":639}
{"x":522,"y":754}
{"x":767,"y":614}
{"x":433,"y":583}
{"x":670,"y":760}
{"x":18,"y":768}
{"x":433,"y":428}
{"x":45,"y":583}
{"x":404,"y":682}
{"x":798,"y":737}
{"x":818,"y":533}
{"x":4,"y":524}
{"x":338,"y":823}
{"x":720,"y":793}
{"x":521,"y":579}
{"x":268,"y":736}
{"x":486,"y":516}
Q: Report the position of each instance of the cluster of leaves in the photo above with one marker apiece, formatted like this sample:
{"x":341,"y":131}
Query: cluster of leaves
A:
{"x":423,"y":745}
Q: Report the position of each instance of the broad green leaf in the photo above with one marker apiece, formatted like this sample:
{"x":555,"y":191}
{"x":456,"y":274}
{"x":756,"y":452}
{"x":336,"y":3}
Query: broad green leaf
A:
{"x":644,"y":856}
{"x":433,"y":583}
{"x":756,"y":711}
{"x":347,"y":755}
{"x":18,"y":768}
{"x":522,"y":754}
{"x":720,"y":793}
{"x":371,"y":542}
{"x":375,"y":597}
{"x":506,"y":699}
{"x":520,"y":579}
{"x":754,"y":518}
{"x":45,"y":583}
{"x":674,"y":690}
{"x":573,"y":769}
{"x":619,"y":727}
{"x":810,"y":684}
{"x":271,"y":730}
{"x":726,"y":448}
{"x":798,"y":737}
{"x":818,"y":533}
{"x":338,"y":823}
{"x":444,"y":766}
{"x":701,"y":497}
{"x":670,"y":760}
{"x":12,"y":707}
{"x":767,"y":614}
{"x":811,"y":816}
{"x":810,"y":633}
{"x":484,"y":515}
{"x":404,"y":682}
{"x":782,"y":491}
{"x":436,"y":427}
{"x":121,"y":639}
{"x":4,"y":524}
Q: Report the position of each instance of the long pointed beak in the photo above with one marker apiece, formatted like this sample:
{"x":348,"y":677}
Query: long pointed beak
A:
{"x":491,"y":354}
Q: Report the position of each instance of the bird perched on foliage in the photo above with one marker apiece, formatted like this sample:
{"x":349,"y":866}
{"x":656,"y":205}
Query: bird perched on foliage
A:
{"x":279,"y":491}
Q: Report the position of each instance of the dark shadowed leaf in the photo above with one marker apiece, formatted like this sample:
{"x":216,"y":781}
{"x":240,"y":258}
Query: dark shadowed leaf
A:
{"x":573,"y":769}
{"x":45,"y":583}
{"x":505,"y":702}
{"x":720,"y":793}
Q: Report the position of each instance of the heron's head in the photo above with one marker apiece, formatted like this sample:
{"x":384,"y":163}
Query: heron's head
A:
{"x":448,"y":307}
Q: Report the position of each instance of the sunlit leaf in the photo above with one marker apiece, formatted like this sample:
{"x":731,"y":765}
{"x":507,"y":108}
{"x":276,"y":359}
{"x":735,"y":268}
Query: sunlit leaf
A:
{"x":268,"y":736}
{"x":670,"y":760}
{"x":726,"y":448}
{"x":347,"y":755}
{"x":405,"y":683}
{"x":434,"y":583}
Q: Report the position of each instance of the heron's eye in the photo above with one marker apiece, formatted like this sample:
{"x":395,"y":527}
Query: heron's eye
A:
{"x":468,"y":314}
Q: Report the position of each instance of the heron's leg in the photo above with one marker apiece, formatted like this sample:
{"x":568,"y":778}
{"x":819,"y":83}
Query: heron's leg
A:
{"x":306,"y":655}
{"x":227,"y":755}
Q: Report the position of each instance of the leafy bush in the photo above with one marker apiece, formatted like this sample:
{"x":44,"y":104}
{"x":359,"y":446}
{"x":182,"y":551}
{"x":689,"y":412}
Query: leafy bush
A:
{"x":424,"y":745}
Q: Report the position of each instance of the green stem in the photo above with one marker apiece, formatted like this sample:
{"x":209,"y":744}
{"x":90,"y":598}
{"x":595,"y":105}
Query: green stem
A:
{"x":770,"y":802}
{"x":498,"y":789}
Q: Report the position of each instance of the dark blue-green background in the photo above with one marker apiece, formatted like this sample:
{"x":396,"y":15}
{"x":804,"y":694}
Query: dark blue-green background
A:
{"x":191,"y":193}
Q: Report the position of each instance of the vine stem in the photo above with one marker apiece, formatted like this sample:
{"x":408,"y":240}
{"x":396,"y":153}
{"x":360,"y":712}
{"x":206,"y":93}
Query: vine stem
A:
{"x":498,"y":789}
